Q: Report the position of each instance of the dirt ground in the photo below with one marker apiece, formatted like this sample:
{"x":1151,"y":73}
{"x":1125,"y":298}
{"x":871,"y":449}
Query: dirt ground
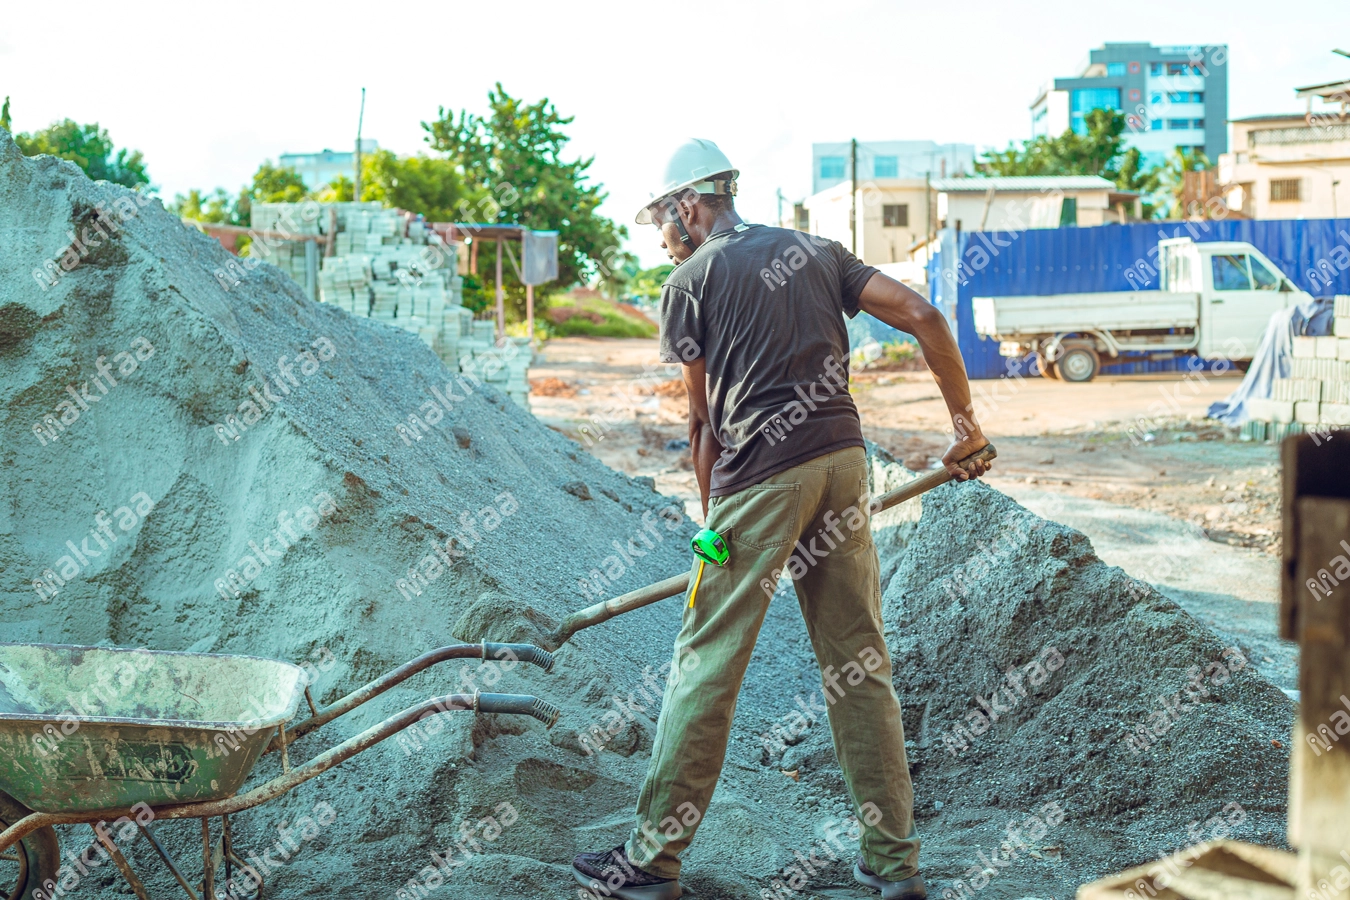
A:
{"x":1135,"y":441}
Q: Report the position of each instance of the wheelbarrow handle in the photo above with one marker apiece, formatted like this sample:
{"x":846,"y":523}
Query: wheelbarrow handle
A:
{"x":520,"y":704}
{"x":483,"y":650}
{"x":536,"y":656}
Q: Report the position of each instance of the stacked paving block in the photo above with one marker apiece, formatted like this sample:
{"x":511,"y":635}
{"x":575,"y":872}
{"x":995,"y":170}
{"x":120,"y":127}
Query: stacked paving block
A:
{"x":388,"y":265}
{"x":1316,"y":394}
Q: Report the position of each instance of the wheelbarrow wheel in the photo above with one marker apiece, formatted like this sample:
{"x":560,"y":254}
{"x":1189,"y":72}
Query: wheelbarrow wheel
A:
{"x":34,"y":860}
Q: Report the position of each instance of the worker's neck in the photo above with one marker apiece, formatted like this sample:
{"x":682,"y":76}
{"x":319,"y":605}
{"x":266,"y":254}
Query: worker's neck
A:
{"x":725,"y":221}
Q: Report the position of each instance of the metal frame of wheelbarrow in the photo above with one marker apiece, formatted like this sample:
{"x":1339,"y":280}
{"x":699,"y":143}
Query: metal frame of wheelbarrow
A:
{"x":519,"y":704}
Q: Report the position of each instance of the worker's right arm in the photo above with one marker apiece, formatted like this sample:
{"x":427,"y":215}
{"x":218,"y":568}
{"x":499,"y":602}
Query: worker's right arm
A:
{"x":703,"y":441}
{"x":901,"y":308}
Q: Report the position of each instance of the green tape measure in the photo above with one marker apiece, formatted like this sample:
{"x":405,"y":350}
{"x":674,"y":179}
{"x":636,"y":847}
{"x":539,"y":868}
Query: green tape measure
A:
{"x":709,"y":547}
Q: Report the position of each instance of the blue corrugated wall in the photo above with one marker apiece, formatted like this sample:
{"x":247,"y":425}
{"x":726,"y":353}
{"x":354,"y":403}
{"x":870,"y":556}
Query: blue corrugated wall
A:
{"x":1080,"y":260}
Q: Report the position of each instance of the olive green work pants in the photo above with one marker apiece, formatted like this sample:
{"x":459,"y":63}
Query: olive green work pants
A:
{"x":809,"y":521}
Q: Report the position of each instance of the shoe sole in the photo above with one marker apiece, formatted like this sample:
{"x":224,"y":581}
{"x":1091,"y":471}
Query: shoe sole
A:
{"x":877,"y":883}
{"x":669,"y":891}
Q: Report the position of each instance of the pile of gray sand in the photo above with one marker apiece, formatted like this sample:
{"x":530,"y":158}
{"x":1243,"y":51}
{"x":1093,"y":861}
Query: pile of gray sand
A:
{"x":240,"y":446}
{"x":1032,"y":673}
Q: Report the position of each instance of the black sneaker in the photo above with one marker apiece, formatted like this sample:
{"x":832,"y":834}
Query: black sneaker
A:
{"x":909,"y":889}
{"x":611,"y":874}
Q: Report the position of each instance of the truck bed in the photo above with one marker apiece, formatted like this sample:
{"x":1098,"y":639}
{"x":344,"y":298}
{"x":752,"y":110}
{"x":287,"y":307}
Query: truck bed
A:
{"x":1008,"y":317}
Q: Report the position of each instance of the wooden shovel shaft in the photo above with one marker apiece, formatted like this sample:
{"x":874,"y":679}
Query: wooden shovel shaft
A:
{"x":676,"y":585}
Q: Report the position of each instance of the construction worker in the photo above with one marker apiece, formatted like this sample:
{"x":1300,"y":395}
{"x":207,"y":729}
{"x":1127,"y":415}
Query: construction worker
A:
{"x":756,"y":317}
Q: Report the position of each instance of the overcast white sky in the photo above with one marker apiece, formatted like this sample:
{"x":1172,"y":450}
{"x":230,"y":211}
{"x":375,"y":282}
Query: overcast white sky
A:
{"x":209,"y":91}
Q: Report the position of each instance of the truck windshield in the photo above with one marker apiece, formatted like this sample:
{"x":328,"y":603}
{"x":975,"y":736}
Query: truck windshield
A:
{"x":1230,"y":273}
{"x":1264,"y":279}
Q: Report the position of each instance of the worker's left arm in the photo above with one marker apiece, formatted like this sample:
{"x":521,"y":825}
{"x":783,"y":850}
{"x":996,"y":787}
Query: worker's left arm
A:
{"x":703,"y":441}
{"x":903,"y":309}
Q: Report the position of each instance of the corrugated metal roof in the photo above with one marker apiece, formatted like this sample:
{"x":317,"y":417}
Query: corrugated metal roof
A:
{"x":1025,"y":183}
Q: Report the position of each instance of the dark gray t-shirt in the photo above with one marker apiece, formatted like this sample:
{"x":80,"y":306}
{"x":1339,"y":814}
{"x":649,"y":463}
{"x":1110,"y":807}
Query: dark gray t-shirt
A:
{"x":765,"y":307}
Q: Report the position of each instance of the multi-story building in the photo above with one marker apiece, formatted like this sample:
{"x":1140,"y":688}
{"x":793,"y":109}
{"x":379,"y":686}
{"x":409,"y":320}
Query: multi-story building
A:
{"x":318,"y":169}
{"x":831,"y":163}
{"x":1172,"y":97}
{"x":1294,"y":165}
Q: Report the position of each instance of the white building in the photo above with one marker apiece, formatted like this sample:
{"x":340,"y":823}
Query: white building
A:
{"x":1292,"y":166}
{"x":318,"y":169}
{"x":896,"y":216}
{"x":831,"y":164}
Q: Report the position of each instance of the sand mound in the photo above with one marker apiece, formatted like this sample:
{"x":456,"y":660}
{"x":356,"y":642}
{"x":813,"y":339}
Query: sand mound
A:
{"x":1033,"y":673}
{"x":239,"y":450}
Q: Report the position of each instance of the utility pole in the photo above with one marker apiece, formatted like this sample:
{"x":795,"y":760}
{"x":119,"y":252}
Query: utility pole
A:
{"x":360,"y":119}
{"x":853,"y":199}
{"x":779,"y":223}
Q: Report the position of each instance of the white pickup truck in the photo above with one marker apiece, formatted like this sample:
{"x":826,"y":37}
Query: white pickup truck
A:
{"x":1215,"y":299}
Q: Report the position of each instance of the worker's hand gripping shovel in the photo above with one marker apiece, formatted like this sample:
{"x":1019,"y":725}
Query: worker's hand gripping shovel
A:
{"x":677,"y":584}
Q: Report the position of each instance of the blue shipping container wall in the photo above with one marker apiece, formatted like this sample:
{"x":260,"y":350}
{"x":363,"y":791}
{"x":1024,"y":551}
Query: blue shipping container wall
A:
{"x":1114,"y":258}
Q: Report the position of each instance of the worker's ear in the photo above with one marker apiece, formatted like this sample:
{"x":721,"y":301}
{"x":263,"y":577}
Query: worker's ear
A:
{"x":688,"y":207}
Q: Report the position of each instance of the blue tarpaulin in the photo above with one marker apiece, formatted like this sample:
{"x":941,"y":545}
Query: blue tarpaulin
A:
{"x":1112,"y":258}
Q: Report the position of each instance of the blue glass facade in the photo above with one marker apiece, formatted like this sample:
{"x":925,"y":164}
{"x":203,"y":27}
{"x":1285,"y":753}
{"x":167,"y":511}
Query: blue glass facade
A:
{"x":1083,"y":101}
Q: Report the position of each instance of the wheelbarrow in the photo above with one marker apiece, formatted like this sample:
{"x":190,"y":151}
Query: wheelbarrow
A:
{"x":90,"y":735}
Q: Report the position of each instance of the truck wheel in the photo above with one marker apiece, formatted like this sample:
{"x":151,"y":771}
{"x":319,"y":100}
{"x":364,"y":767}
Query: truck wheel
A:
{"x":34,"y":860}
{"x":1078,"y":364}
{"x":1045,"y":367}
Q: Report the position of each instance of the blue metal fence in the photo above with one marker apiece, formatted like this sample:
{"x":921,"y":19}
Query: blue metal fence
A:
{"x":1314,"y":253}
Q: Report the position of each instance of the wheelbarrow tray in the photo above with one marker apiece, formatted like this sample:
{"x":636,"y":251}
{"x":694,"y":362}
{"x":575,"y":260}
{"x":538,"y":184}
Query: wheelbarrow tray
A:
{"x":86,"y":729}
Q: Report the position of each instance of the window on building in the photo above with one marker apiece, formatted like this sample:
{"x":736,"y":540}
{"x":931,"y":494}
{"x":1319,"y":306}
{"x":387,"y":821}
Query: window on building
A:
{"x":832,"y":166}
{"x":1068,"y":212}
{"x":1155,"y":68}
{"x":895,"y":215}
{"x":1084,"y":101}
{"x":1113,"y":69}
{"x":885,"y":167}
{"x":1197,"y":123}
{"x":1230,"y":273}
{"x":1177,"y":68}
{"x":1178,"y":124}
{"x":1155,"y":97}
{"x":1155,"y":125}
{"x":1178,"y":96}
{"x":1197,"y":96}
{"x":1285,"y":190}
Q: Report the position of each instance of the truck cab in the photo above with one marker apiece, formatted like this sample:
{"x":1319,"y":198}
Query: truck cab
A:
{"x":1239,"y":290}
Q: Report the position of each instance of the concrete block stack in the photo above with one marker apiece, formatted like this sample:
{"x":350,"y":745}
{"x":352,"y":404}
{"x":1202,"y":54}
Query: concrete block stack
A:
{"x":389,"y":266}
{"x":1316,"y":394}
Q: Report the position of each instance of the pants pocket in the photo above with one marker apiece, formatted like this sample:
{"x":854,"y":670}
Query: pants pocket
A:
{"x":760,"y":517}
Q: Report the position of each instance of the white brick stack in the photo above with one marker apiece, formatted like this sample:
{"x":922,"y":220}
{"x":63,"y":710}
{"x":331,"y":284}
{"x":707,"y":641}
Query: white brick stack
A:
{"x":1317,"y":391}
{"x":390,"y":267}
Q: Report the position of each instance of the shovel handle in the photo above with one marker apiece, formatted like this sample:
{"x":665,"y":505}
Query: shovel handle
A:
{"x":678,"y":584}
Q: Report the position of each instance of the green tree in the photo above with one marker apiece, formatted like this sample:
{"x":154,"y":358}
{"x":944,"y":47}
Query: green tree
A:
{"x":512,"y":171}
{"x":271,"y":184}
{"x":427,"y":185}
{"x":216,"y":206}
{"x":4,"y":116}
{"x":1099,"y":151}
{"x":1172,"y":176}
{"x":645,"y":284}
{"x":89,"y":147}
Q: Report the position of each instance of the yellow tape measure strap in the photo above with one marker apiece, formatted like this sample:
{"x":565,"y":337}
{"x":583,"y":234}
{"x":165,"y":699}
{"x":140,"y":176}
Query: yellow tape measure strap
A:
{"x":697,"y":579}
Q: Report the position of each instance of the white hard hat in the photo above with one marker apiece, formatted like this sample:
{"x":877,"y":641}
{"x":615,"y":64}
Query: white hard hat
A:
{"x":689,"y":168}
